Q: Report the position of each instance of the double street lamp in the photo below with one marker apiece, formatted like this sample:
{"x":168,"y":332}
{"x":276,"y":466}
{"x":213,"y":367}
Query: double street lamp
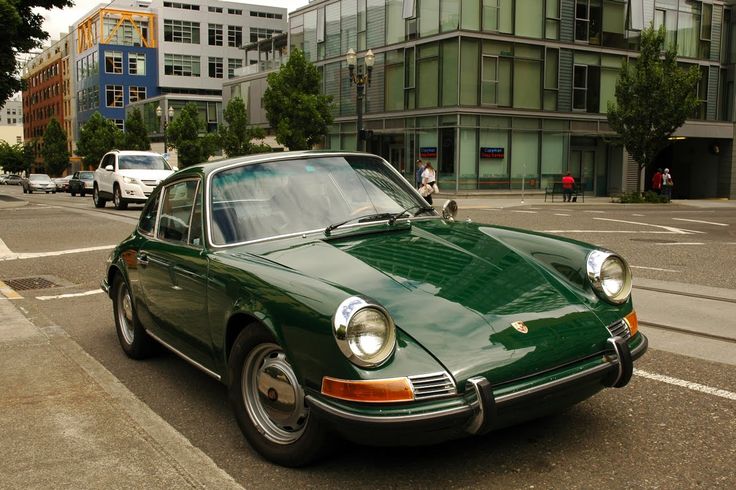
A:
{"x":165,"y":121}
{"x":360,"y":79}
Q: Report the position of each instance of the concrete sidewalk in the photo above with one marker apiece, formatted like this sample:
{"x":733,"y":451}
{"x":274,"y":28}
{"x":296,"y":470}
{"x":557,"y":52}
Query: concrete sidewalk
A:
{"x":67,"y":422}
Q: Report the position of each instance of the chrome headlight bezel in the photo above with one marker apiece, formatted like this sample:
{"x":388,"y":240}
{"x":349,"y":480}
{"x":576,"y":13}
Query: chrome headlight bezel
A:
{"x":343,"y":323}
{"x":597,"y":263}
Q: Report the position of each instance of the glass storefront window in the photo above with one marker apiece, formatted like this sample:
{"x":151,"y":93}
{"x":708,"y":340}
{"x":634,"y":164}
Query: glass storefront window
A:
{"x":525,"y":151}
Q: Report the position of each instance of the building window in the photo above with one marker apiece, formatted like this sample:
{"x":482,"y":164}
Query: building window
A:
{"x":215,"y":65}
{"x":217,"y":10}
{"x":234,"y":11}
{"x":265,"y":15}
{"x":586,"y":88}
{"x":588,"y":21}
{"x":136,"y":93}
{"x":234,"y":36}
{"x":215,"y":34}
{"x":183,"y":6}
{"x":114,"y":62}
{"x":137,"y":63}
{"x":181,"y":65}
{"x":181,"y":31}
{"x":120,"y":124}
{"x":114,"y":96}
{"x":258,"y":33}
{"x":232,"y":65}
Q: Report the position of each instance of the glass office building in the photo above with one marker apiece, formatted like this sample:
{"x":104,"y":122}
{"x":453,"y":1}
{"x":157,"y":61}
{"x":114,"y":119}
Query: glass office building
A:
{"x":500,"y":92}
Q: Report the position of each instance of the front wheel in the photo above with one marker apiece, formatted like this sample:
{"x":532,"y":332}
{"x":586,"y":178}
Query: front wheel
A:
{"x":269,"y":403}
{"x":117,"y":199}
{"x":99,"y":201}
{"x":132,"y":336}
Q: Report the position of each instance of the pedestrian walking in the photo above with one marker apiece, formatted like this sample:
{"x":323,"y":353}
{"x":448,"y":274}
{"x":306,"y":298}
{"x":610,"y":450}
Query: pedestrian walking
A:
{"x":418,"y":174}
{"x":568,"y":185}
{"x":667,"y":184}
{"x":657,"y":181}
{"x":429,"y":182}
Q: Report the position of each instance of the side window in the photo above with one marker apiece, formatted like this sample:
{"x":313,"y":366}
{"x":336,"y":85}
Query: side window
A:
{"x":195,"y":231}
{"x":148,"y":216}
{"x":176,"y":211}
{"x":76,"y":175}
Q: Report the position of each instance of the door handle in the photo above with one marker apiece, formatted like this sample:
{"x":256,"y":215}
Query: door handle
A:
{"x":142,"y":259}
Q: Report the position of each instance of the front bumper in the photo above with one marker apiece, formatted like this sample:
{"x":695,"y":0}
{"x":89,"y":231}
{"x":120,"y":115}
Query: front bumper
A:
{"x":135,"y":191}
{"x":481,"y":407}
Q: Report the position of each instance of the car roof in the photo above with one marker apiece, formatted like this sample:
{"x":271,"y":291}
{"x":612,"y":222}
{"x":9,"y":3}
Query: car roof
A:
{"x":210,"y":167}
{"x":135,"y":152}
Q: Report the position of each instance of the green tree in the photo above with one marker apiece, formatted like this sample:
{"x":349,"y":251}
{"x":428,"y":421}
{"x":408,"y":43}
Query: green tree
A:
{"x":96,"y":137}
{"x":295,"y":109}
{"x":54,"y":152}
{"x":20,"y":33}
{"x":136,"y":136}
{"x":12,"y":157}
{"x":236,"y":136}
{"x":183,"y":133}
{"x":654,"y":97}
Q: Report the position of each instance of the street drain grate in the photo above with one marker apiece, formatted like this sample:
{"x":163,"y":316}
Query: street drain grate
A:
{"x":26,"y":283}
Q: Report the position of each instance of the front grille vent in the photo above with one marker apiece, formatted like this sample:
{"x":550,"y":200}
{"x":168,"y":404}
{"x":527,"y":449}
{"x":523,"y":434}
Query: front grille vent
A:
{"x":435,"y":385}
{"x":620,"y":328}
{"x":150,"y":183}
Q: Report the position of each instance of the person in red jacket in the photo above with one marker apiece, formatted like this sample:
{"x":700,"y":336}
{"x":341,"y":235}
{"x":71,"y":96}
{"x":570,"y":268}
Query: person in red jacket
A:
{"x":657,"y":181}
{"x":568,"y":184}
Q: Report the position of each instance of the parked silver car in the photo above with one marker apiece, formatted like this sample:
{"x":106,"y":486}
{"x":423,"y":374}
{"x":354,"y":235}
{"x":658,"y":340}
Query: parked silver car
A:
{"x":39,"y":182}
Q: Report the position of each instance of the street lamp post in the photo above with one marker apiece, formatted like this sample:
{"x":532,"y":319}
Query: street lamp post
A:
{"x":165,"y":122}
{"x":360,"y":80}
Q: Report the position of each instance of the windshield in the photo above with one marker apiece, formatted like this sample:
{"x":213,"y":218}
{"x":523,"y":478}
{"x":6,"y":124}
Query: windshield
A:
{"x":86,"y":175}
{"x":39,"y":177}
{"x":145,"y":162}
{"x":257,"y":201}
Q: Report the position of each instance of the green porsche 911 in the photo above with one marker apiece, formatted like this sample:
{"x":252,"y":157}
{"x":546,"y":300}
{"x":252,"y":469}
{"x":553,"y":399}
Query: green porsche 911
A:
{"x":331,"y":299}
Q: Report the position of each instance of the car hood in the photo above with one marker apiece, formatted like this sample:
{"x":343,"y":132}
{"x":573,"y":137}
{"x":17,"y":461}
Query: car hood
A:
{"x":458,"y":289}
{"x":143,"y":174}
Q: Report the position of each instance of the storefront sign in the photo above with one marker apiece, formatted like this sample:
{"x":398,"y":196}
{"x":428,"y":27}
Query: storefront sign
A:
{"x":428,"y":152}
{"x":491,"y":152}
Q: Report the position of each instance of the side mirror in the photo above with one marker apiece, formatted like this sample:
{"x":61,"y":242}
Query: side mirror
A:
{"x":109,"y":168}
{"x":449,"y":209}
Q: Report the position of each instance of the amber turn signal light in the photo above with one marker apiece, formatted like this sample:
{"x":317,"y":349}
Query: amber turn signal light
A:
{"x":633,"y":322}
{"x":369,"y":391}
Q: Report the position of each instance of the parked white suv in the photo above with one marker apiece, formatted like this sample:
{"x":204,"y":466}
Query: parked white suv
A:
{"x":128,"y":177}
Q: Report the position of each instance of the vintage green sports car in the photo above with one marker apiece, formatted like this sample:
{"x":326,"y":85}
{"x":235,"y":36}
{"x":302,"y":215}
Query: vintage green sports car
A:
{"x":330,"y":298}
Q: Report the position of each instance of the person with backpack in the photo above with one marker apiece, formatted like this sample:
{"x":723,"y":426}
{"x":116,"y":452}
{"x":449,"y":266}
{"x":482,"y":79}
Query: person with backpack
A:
{"x":418,"y":174}
{"x":667,"y":184}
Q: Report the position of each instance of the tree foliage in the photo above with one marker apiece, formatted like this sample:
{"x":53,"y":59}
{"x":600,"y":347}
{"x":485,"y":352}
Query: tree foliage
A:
{"x":295,"y":109}
{"x":236,"y":137}
{"x":20,"y":33}
{"x":54,"y":152}
{"x":96,"y":137}
{"x":183,"y":133}
{"x":13,"y":157}
{"x":135,"y":136}
{"x":654,"y":97}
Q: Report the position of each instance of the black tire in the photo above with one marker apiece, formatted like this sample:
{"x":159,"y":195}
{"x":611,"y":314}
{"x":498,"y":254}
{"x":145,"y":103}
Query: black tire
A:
{"x":132,"y":336}
{"x":25,"y":191}
{"x":98,"y":201}
{"x":257,"y":361}
{"x":74,"y":194}
{"x":117,"y":199}
{"x":82,"y":193}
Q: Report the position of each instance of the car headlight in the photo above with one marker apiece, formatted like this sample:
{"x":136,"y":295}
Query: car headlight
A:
{"x":128,"y":180}
{"x":609,"y":275}
{"x":364,"y":332}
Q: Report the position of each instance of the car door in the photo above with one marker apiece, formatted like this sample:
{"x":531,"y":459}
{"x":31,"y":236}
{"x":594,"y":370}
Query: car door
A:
{"x":173,"y":273}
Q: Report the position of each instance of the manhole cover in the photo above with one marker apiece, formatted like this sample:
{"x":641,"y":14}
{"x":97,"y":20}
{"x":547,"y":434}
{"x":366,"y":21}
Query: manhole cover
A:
{"x":26,"y":283}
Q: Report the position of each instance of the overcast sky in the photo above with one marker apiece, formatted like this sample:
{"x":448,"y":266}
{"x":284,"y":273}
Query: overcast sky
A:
{"x":58,"y":20}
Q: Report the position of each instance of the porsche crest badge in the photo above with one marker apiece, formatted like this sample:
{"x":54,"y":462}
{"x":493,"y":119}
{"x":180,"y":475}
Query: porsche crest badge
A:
{"x":520,"y":327}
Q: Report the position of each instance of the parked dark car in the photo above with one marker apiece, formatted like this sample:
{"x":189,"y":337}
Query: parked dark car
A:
{"x":329,"y":297}
{"x":40,"y":183}
{"x":82,"y":183}
{"x":13,"y":180}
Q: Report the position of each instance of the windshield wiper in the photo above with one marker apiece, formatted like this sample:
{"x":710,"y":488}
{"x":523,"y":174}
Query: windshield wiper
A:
{"x":391,"y":217}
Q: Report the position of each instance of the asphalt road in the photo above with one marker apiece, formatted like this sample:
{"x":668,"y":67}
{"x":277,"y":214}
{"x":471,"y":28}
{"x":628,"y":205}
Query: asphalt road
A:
{"x":670,"y":428}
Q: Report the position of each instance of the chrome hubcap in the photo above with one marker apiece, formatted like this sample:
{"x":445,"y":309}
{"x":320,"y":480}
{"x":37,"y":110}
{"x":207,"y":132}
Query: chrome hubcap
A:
{"x":125,"y":314}
{"x":272,"y":395}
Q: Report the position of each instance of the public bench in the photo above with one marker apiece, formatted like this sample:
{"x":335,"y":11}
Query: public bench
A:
{"x":556,"y":188}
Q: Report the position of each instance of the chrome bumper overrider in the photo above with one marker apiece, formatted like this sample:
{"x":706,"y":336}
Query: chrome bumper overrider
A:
{"x":482,"y":409}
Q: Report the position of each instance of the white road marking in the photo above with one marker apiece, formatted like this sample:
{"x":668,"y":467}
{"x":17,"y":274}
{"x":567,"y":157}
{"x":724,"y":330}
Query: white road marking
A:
{"x":519,"y":211}
{"x":686,"y":384}
{"x":7,"y":254}
{"x":561,"y":214}
{"x":680,"y":243}
{"x":652,"y":268}
{"x":70,"y":295}
{"x":671,"y":229}
{"x":638,"y":215}
{"x":701,"y":221}
{"x":8,"y":293}
{"x":598,"y":212}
